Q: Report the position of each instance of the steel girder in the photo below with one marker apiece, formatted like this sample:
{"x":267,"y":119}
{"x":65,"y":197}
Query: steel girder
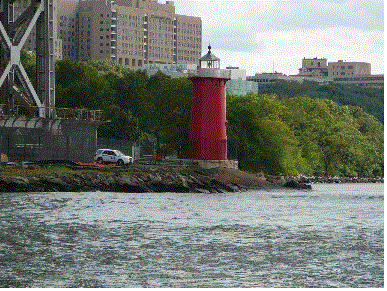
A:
{"x":13,"y":35}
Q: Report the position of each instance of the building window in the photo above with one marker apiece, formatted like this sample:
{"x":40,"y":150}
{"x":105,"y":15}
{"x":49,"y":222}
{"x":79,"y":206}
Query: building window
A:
{"x":120,"y":61}
{"x":133,"y":62}
{"x":126,"y":61}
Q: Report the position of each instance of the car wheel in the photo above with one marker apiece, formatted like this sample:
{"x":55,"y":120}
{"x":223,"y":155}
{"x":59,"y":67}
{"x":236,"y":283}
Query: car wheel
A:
{"x":99,"y":160}
{"x":120,"y":163}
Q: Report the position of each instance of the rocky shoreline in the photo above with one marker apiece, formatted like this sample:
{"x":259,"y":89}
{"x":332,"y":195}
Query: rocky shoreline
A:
{"x":336,"y":179}
{"x":140,"y":179}
{"x":150,"y":180}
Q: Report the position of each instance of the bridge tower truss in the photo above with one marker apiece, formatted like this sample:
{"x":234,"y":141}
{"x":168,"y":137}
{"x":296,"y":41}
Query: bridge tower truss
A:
{"x":13,"y":35}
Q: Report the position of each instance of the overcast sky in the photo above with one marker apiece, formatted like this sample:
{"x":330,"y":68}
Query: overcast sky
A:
{"x":254,"y":34}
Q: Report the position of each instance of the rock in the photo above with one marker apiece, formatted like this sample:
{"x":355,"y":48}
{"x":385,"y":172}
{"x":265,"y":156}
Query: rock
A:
{"x":296,"y":185}
{"x":200,"y":190}
{"x":235,"y":188}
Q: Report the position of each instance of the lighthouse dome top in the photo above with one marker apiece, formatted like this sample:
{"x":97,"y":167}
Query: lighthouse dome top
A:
{"x":209,"y":60}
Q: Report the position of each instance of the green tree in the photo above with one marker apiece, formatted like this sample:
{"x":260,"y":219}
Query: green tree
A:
{"x":371,"y":100}
{"x":166,"y":108}
{"x":79,"y":85}
{"x":120,"y":124}
{"x":106,"y":65}
{"x":265,"y":142}
{"x":129,"y":90}
{"x":29,"y":63}
{"x":335,"y":139}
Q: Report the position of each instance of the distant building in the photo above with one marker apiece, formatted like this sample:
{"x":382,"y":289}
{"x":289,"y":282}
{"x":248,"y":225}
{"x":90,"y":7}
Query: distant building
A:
{"x":241,"y":87}
{"x":319,"y":70}
{"x":371,"y":81}
{"x":67,"y":23}
{"x":315,"y":68}
{"x":267,"y":78}
{"x":131,"y":32}
{"x":173,"y":70}
{"x":348,"y":69}
{"x":238,"y":85}
{"x":237,"y":73}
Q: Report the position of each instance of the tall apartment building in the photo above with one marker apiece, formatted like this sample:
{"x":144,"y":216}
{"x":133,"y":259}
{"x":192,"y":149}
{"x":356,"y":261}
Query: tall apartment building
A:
{"x":132,"y":32}
{"x":67,"y":18}
{"x":348,"y":69}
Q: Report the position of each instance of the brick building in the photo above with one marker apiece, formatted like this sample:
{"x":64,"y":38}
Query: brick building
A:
{"x":132,"y":32}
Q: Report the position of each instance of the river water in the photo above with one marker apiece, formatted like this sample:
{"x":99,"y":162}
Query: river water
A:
{"x":331,"y":236}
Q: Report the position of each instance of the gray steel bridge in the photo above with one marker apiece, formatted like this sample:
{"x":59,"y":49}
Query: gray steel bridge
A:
{"x":48,"y":132}
{"x":14,"y":33}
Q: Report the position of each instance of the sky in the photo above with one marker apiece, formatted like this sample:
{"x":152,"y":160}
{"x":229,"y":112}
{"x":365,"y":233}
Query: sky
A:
{"x":275,"y":35}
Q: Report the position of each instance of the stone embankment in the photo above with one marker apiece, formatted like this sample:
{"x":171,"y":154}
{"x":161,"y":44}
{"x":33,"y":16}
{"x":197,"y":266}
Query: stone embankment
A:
{"x":138,"y":181}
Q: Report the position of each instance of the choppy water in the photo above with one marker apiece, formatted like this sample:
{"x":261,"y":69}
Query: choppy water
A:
{"x":331,"y":236}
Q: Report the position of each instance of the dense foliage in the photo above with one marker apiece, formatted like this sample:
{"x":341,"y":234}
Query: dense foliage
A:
{"x":134,"y":102}
{"x":305,"y":135}
{"x":276,"y":135}
{"x":369,"y":99}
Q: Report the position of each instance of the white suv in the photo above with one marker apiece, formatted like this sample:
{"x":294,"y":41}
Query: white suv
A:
{"x":112,"y":156}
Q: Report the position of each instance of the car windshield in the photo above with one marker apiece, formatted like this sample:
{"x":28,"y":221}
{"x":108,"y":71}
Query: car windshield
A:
{"x":119,"y":153}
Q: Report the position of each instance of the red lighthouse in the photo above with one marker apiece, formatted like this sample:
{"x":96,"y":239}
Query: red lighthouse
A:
{"x":208,"y":135}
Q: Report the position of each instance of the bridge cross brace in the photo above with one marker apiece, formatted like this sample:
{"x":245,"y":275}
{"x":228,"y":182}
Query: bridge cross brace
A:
{"x":13,"y":40}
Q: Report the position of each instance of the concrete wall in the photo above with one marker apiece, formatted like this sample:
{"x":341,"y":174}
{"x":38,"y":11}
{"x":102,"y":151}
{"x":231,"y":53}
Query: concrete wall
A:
{"x":209,"y":164}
